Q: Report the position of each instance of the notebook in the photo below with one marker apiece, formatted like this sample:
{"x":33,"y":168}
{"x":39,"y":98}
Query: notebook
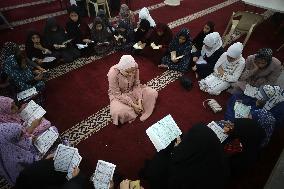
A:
{"x":103,"y":174}
{"x":66,"y":158}
{"x":241,"y":110}
{"x":44,"y":141}
{"x":25,"y":95}
{"x":218,"y":131}
{"x":163,"y":132}
{"x":32,"y":112}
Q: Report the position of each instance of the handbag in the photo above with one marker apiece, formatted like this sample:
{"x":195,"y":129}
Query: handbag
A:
{"x":186,"y":83}
{"x":213,"y":104}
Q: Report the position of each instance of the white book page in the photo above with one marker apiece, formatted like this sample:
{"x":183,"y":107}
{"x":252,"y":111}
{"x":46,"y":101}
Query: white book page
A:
{"x":103,"y":174}
{"x":241,"y":110}
{"x":163,"y":132}
{"x":179,"y":57}
{"x":137,"y":46}
{"x":74,"y":163}
{"x":218,"y":131}
{"x":26,"y":94}
{"x":31,"y":112}
{"x":63,"y":157}
{"x":46,"y":140}
{"x":201,"y":60}
{"x":251,"y":91}
{"x":48,"y":59}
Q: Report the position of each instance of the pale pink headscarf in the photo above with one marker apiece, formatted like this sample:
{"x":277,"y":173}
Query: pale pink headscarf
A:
{"x":126,"y":62}
{"x":6,"y":115}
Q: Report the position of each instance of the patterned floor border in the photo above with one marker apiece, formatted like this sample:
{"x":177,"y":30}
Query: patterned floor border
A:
{"x":100,"y":119}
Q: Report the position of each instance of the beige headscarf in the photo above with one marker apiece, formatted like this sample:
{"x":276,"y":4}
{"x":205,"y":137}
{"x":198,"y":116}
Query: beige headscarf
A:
{"x":126,"y":62}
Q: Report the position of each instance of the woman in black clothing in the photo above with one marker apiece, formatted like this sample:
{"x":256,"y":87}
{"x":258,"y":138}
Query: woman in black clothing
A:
{"x":198,"y":40}
{"x":37,"y":51}
{"x":42,"y":174}
{"x":206,"y":59}
{"x":56,"y":40}
{"x":197,"y":162}
{"x":78,"y":30}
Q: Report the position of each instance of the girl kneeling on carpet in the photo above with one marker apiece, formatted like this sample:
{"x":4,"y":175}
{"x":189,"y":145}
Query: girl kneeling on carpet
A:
{"x":227,"y":70}
{"x":128,"y":98}
{"x":179,"y":52}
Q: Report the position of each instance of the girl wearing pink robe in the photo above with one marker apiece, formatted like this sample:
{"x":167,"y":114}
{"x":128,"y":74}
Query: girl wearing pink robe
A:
{"x":128,"y":98}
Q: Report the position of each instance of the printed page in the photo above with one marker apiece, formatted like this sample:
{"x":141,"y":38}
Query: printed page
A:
{"x":163,"y":132}
{"x":251,"y":91}
{"x":63,"y":157}
{"x":48,"y":59}
{"x":74,"y":163}
{"x":136,"y":46}
{"x":179,"y":57}
{"x":201,"y":60}
{"x":218,"y":131}
{"x":46,"y":140}
{"x":26,"y":94}
{"x":31,"y":112}
{"x":103,"y":174}
{"x":241,"y":110}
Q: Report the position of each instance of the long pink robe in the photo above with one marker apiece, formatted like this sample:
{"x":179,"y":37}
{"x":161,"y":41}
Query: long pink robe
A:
{"x":125,"y":90}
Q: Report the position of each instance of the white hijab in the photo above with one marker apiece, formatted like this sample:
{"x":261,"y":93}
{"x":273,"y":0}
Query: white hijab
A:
{"x":144,"y":14}
{"x":126,"y":62}
{"x":212,"y":40}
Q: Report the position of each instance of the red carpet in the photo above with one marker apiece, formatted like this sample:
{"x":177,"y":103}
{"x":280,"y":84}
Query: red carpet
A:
{"x":75,"y":96}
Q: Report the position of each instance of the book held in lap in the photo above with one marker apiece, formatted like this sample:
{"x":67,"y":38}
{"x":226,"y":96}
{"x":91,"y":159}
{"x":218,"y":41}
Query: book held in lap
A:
{"x":241,"y":110}
{"x":32,"y":112}
{"x":44,"y":141}
{"x":103,"y":174}
{"x":163,"y":132}
{"x":218,"y":131}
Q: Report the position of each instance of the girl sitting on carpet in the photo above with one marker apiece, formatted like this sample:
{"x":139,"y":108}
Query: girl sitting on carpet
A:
{"x":126,"y":15}
{"x":206,"y":59}
{"x":103,"y":39}
{"x":261,"y":69}
{"x":198,"y":40}
{"x":129,"y":98}
{"x":22,"y":71}
{"x":270,"y":98}
{"x":161,"y":36}
{"x":145,"y":15}
{"x":179,"y":55}
{"x":56,"y":40}
{"x":124,"y":37}
{"x":78,"y":30}
{"x":37,"y":51}
{"x":10,"y":113}
{"x":105,"y":19}
{"x":227,"y":70}
{"x":142,"y":34}
{"x":16,"y":151}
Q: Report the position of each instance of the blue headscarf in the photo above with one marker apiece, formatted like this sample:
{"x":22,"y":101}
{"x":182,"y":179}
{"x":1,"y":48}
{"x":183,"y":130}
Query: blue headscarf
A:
{"x":266,"y":120}
{"x":181,"y":49}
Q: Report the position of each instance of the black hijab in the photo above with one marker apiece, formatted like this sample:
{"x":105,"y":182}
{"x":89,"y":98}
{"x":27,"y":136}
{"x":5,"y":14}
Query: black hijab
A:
{"x":198,"y":40}
{"x":53,"y":37}
{"x":73,"y":28}
{"x":30,"y":49}
{"x":198,"y":162}
{"x":139,"y":34}
{"x":251,"y":136}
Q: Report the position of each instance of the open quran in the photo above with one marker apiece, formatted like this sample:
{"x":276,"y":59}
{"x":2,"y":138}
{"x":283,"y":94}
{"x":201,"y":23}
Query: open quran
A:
{"x":32,"y":112}
{"x":66,"y":158}
{"x":163,"y":132}
{"x":241,"y":110}
{"x":251,"y":91}
{"x":218,"y":131}
{"x":44,"y":141}
{"x":27,"y":94}
{"x":103,"y":174}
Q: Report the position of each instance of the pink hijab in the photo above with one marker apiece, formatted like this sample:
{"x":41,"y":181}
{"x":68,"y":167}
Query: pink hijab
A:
{"x":126,"y":62}
{"x":6,"y":115}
